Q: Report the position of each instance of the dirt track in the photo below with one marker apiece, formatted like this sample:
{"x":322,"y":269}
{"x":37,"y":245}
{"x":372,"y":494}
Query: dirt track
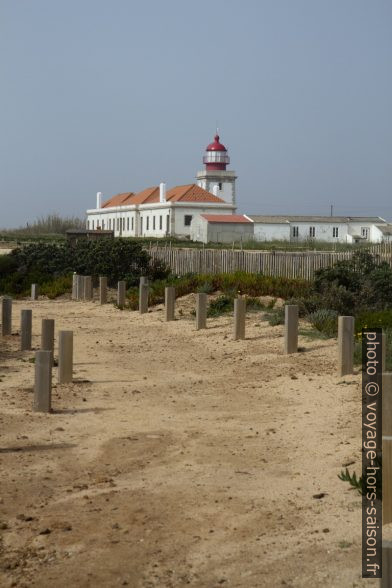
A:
{"x":178,"y":457}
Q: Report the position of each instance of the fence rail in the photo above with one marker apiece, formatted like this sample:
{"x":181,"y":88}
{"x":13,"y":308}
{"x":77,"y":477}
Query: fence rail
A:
{"x":289,"y":264}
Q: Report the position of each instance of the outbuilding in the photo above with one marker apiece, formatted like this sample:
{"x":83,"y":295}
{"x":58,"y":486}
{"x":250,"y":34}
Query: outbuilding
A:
{"x":221,"y":228}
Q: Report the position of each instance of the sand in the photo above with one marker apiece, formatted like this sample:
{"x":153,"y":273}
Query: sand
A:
{"x":178,"y":458}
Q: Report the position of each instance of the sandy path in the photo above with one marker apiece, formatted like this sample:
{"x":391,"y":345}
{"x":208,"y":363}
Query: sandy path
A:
{"x":178,"y":457}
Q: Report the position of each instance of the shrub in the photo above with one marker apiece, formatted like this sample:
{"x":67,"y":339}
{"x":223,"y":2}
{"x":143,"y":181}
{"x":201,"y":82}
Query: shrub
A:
{"x":276,"y":317}
{"x":373,"y":319}
{"x":56,"y":287}
{"x":325,"y":320}
{"x":221,"y":305}
{"x":363,"y":282}
{"x":206,"y":288}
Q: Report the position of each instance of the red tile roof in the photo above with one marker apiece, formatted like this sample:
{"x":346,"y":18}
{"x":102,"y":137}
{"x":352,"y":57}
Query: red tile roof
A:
{"x":187,"y":193}
{"x":191,"y":193}
{"x":226,"y":218}
{"x":118,"y":200}
{"x":147,"y":195}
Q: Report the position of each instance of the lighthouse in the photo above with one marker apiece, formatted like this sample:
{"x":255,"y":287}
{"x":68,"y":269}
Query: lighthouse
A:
{"x":215,"y":178}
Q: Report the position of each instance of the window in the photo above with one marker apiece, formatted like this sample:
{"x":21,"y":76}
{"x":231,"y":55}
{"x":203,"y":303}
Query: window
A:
{"x":92,"y":225}
{"x":187,"y":220}
{"x":147,"y":223}
{"x":103,"y":225}
{"x":335,"y":232}
{"x":123,"y":224}
{"x":167,"y":223}
{"x":295,"y":231}
{"x":365,"y":232}
{"x":141,"y":225}
{"x":153,"y":223}
{"x":127,"y":223}
{"x":132,"y":224}
{"x":160,"y":222}
{"x":220,"y":185}
{"x":88,"y":225}
{"x":312,"y":232}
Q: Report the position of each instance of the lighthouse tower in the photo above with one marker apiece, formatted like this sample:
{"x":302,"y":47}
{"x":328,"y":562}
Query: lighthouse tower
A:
{"x":215,"y":178}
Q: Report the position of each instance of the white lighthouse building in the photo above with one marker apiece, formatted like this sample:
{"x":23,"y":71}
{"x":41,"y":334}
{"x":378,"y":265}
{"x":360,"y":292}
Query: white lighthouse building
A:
{"x":161,"y":212}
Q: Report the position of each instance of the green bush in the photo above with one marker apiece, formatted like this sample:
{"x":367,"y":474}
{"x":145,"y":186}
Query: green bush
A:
{"x":276,"y":317}
{"x":361,"y":283}
{"x":118,"y":259}
{"x":57,"y":287}
{"x":325,"y":320}
{"x":221,"y":305}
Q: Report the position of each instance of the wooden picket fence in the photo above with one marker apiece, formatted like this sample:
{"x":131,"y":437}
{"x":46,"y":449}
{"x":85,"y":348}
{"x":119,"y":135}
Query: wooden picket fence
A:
{"x":289,"y":264}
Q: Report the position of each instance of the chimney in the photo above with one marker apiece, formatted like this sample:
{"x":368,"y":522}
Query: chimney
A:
{"x":99,"y":199}
{"x":162,"y":192}
{"x":215,"y":189}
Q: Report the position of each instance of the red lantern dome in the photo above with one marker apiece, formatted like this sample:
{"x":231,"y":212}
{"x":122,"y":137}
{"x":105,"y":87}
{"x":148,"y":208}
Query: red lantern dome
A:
{"x":216,"y":156}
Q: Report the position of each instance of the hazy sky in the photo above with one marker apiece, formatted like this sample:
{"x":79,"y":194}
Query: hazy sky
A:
{"x":118,"y":95}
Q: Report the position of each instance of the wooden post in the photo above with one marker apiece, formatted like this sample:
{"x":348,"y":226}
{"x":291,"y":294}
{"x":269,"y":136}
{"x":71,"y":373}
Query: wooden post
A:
{"x":121,"y":294}
{"x":43,"y":381}
{"x":47,"y":335}
{"x":387,"y":448}
{"x":384,"y":352}
{"x":291,"y":328}
{"x":26,"y":319}
{"x":239,"y":318}
{"x":170,"y":301}
{"x":65,"y":357}
{"x":201,"y":311}
{"x":87,"y":288}
{"x":346,"y":345}
{"x":143,"y":298}
{"x":386,"y":580}
{"x":80,"y":287}
{"x":6,"y":316}
{"x":34,"y":291}
{"x":74,"y":295}
{"x":103,"y":290}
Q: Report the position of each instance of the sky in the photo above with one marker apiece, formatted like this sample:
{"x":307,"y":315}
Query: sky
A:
{"x":119,"y":95}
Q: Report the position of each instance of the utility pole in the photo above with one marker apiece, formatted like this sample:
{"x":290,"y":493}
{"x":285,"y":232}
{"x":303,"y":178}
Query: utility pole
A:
{"x":331,"y":209}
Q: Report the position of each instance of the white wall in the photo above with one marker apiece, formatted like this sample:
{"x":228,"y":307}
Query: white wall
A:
{"x":182,"y":211}
{"x":270,"y":232}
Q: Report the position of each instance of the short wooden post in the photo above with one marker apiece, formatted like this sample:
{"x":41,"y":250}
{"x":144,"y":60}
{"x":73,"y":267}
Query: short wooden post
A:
{"x":121,"y":294}
{"x":143,"y":280}
{"x":74,"y":295}
{"x":43,"y":381}
{"x":87,"y":288}
{"x":239,"y":318}
{"x":65,"y":357}
{"x":387,"y":448}
{"x":26,"y":320}
{"x":201,"y":311}
{"x":103,"y":290}
{"x":291,"y":328}
{"x":47,"y":335}
{"x":170,"y":301}
{"x":80,"y":287}
{"x":6,"y":316}
{"x":346,"y":345}
{"x":143,"y":298}
{"x":386,"y":580}
{"x":384,"y":352}
{"x":34,"y":291}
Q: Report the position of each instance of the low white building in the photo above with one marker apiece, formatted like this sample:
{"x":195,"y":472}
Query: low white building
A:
{"x":155,"y":212}
{"x":218,"y":228}
{"x":334,"y":229}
